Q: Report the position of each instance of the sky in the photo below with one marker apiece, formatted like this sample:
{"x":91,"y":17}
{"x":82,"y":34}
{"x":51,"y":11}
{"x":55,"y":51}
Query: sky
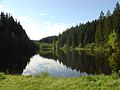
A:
{"x":42,"y":18}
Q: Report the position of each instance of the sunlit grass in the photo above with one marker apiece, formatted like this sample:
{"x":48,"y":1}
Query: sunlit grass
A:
{"x":46,"y":82}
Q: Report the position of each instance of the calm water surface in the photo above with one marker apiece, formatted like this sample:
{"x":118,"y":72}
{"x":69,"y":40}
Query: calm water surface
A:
{"x":63,"y":64}
{"x":39,"y":65}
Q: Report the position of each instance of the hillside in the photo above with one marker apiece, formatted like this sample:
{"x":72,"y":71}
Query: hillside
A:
{"x":103,"y":32}
{"x":49,"y":39}
{"x":13,"y":37}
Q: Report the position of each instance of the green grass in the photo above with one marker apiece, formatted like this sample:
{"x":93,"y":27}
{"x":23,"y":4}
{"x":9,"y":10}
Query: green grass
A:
{"x":46,"y":82}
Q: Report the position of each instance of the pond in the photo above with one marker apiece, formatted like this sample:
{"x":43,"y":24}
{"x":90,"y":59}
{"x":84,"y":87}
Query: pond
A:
{"x":40,"y":64}
{"x":62,"y":64}
{"x":72,"y":63}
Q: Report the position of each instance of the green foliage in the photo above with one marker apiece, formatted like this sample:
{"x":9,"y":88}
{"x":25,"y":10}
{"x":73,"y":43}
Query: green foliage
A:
{"x":98,"y":31}
{"x":101,"y":15}
{"x":50,"y":39}
{"x":13,"y":37}
{"x":113,"y":40}
{"x":101,"y":34}
{"x":43,"y":45}
{"x":112,"y":61}
{"x":46,"y":82}
{"x":2,"y":76}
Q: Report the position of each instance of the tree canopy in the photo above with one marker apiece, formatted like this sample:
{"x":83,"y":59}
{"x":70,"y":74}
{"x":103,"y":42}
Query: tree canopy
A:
{"x":13,"y":37}
{"x":99,"y":31}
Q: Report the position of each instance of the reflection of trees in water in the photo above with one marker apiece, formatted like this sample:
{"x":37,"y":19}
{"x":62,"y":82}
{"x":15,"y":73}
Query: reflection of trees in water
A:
{"x":92,"y":64}
{"x":14,"y":63}
{"x":85,"y":63}
{"x":50,"y":54}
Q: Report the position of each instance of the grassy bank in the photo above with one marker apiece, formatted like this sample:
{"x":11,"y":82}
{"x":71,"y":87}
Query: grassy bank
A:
{"x":46,"y":82}
{"x":95,"y":47}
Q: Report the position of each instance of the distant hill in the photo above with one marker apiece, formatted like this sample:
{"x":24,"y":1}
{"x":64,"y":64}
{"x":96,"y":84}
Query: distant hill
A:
{"x":13,"y":37}
{"x":49,"y":39}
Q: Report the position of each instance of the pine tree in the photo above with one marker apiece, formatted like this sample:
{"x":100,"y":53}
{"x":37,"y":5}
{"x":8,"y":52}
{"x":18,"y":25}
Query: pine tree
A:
{"x":99,"y":35}
{"x":108,"y":13}
{"x":101,"y":15}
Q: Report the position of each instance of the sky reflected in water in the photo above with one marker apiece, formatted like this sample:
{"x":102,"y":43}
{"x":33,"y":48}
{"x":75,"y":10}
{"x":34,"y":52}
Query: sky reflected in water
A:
{"x":39,"y":65}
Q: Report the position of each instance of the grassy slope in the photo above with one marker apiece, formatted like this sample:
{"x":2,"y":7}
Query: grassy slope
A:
{"x":45,"y":82}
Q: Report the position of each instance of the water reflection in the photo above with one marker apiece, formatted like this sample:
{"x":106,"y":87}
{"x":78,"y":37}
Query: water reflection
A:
{"x":91,"y":63}
{"x":13,"y":63}
{"x":65,"y":64}
{"x":39,"y":64}
{"x":81,"y":61}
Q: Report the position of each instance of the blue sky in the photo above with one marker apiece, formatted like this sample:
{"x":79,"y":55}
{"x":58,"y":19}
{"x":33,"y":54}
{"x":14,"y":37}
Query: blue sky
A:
{"x":41,"y":18}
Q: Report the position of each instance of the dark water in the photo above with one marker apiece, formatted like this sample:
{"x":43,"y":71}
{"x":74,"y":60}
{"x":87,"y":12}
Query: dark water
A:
{"x":65,"y":64}
{"x":13,"y":63}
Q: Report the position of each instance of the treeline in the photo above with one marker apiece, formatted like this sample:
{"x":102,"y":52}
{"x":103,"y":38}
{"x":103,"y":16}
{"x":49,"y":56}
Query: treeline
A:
{"x":49,"y":39}
{"x":102,"y":32}
{"x":13,"y":37}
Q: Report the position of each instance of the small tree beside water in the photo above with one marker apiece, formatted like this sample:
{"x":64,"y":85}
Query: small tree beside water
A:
{"x":113,"y":40}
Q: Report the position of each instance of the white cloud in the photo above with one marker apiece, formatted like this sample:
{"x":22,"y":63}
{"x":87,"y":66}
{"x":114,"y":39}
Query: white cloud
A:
{"x":37,"y":30}
{"x":38,"y":65}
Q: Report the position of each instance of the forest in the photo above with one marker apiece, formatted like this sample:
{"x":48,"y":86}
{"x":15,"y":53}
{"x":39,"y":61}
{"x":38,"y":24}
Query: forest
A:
{"x":101,"y":33}
{"x":13,"y":37}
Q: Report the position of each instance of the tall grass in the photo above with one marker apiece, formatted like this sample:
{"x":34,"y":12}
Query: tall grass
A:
{"x":46,"y":82}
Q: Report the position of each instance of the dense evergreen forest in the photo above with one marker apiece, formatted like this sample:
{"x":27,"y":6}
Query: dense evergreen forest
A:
{"x":49,"y":39}
{"x":13,"y":37}
{"x":103,"y":32}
